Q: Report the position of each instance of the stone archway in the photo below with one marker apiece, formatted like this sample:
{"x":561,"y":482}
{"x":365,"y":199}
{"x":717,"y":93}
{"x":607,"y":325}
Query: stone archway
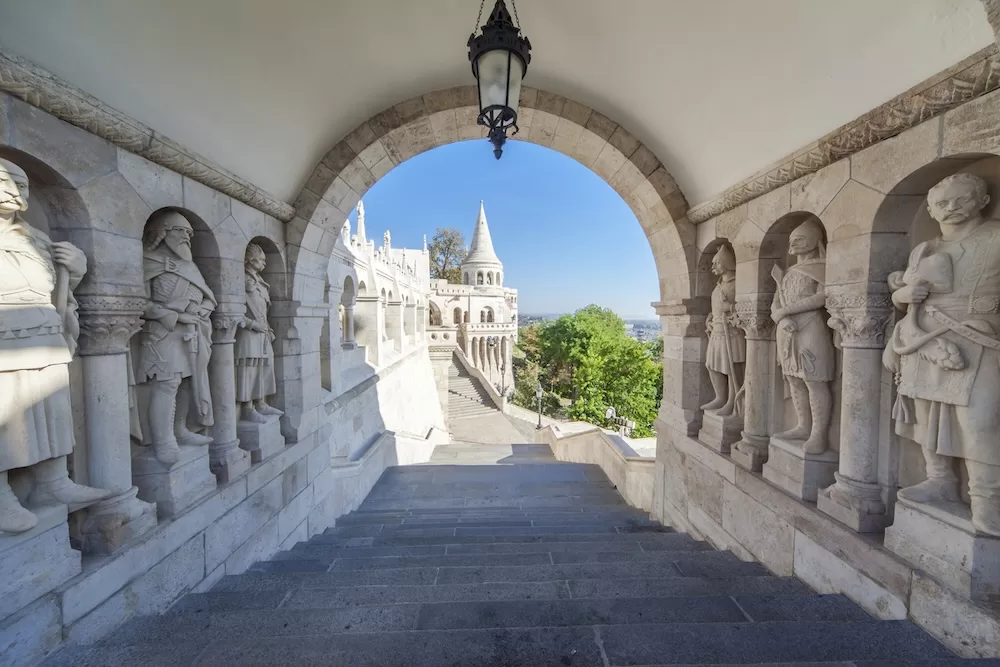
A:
{"x":393,"y":136}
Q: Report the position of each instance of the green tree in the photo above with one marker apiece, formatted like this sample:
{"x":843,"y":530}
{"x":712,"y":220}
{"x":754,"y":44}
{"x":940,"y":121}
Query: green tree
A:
{"x":587,"y":358}
{"x":447,"y":250}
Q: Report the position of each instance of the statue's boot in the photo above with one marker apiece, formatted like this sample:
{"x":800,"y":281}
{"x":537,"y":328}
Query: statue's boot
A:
{"x":190,"y":438}
{"x":13,"y":517}
{"x":54,"y":487}
{"x":162,"y":409}
{"x":803,"y":417}
{"x":720,"y":384}
{"x":941,"y":483}
{"x":249,"y":414}
{"x":263,"y":408}
{"x":820,"y":412}
{"x":986,"y":515}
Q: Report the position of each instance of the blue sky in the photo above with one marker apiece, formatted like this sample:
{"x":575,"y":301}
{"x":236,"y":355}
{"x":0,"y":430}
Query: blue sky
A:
{"x":566,"y":239}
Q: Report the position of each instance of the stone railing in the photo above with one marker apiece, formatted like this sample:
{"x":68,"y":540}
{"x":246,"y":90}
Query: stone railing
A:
{"x":632,"y":474}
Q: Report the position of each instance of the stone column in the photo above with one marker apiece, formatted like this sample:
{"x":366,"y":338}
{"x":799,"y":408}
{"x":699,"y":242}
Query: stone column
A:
{"x":394,"y":323}
{"x":226,"y":460}
{"x":421,"y":321}
{"x":410,"y":321}
{"x":855,"y":499}
{"x":107,"y":323}
{"x":370,"y":310}
{"x":349,"y":342}
{"x":753,"y":313}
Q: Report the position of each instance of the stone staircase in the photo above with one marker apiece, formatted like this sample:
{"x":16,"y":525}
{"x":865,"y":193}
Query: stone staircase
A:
{"x":466,"y":398}
{"x":529,"y":564}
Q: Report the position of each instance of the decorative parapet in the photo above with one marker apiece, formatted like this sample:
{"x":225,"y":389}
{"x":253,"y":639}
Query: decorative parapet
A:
{"x":973,"y":77}
{"x":107,"y":323}
{"x":40,"y":88}
{"x":861,"y":320}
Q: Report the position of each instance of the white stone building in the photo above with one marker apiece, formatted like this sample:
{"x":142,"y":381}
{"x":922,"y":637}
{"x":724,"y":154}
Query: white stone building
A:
{"x":480,"y":314}
{"x":819,"y":192}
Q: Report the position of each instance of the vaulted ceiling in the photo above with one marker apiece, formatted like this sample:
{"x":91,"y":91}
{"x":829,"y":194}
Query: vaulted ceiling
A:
{"x":716,"y":88}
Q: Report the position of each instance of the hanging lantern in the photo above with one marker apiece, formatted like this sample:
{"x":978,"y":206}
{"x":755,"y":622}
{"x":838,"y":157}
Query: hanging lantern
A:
{"x":500,"y":57}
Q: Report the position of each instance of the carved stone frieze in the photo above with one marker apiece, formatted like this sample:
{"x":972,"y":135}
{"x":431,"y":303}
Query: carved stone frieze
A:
{"x":38,"y":87}
{"x":972,"y":78}
{"x":861,"y":320}
{"x":107,"y":323}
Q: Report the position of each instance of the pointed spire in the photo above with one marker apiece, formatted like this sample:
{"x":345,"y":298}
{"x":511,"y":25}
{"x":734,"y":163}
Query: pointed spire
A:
{"x":481,"y":250}
{"x":361,"y":221}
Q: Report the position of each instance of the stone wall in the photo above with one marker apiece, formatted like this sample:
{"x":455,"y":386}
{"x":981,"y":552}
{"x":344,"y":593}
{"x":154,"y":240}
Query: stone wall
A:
{"x":169,"y":528}
{"x":834,"y":519}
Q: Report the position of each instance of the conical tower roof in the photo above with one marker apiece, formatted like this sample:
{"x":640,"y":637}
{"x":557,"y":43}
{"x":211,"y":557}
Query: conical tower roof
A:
{"x":481,"y":251}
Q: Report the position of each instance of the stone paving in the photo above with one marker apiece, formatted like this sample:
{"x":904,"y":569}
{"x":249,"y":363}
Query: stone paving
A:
{"x":498,"y":555}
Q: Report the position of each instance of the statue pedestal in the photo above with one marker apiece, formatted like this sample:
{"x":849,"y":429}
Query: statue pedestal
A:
{"x":719,"y":433}
{"x":750,"y":453}
{"x":262,"y":440}
{"x":112,"y":523}
{"x":802,"y":475}
{"x":37,"y":561}
{"x":176,"y":488}
{"x":939,"y":538}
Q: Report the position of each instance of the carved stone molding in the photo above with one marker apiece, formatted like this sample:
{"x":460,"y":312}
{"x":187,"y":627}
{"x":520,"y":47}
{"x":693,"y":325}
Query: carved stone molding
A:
{"x":40,"y":88}
{"x":861,"y":320}
{"x":972,"y":78}
{"x":753,"y":315}
{"x":108,"y":322}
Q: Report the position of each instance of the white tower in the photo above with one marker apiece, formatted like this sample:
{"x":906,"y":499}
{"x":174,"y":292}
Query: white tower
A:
{"x":481,"y":266}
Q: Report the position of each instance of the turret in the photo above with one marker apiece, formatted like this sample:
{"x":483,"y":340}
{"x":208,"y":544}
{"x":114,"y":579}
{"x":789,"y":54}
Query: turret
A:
{"x":481,"y":265}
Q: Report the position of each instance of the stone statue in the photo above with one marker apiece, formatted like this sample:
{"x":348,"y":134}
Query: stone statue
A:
{"x":176,"y":340}
{"x":726,"y":346}
{"x":804,"y":343}
{"x":254,"y":353}
{"x":38,"y":331}
{"x":945,"y":351}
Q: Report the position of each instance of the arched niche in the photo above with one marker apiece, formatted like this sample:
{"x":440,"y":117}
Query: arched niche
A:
{"x":348,"y":297}
{"x":774,"y":253}
{"x":325,"y":347}
{"x":904,"y":219}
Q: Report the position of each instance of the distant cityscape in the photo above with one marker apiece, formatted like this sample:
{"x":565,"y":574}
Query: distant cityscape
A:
{"x":641,"y":330}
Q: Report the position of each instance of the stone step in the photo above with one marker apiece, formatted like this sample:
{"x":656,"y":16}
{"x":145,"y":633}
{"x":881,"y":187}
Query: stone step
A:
{"x":396,"y":541}
{"x":320,"y":640}
{"x":329,"y":552}
{"x":458,"y":530}
{"x":320,"y":598}
{"x":349,"y":562}
{"x":473,"y":515}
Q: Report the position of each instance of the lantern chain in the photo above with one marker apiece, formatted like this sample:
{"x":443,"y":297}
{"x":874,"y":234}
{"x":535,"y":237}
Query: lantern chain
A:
{"x":517,"y":21}
{"x":479,"y":18}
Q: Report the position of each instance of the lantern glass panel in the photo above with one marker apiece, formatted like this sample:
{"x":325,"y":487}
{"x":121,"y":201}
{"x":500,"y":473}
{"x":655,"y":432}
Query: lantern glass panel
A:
{"x":493,"y":84}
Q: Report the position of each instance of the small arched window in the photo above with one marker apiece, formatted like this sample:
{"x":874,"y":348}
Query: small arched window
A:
{"x":456,"y":316}
{"x":479,"y":278}
{"x":482,"y":316}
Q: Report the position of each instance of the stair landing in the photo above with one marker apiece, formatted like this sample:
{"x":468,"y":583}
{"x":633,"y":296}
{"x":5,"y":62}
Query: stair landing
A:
{"x":525,"y":562}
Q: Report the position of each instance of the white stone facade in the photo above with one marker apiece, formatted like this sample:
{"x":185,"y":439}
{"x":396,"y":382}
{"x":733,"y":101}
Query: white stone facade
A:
{"x":478,"y":317}
{"x":352,"y":399}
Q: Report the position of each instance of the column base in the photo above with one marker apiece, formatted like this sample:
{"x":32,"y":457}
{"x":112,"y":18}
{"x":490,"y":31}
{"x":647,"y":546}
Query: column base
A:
{"x":719,"y":433}
{"x":176,"y":488}
{"x":228,"y":461}
{"x":111,"y":524}
{"x":262,"y":440}
{"x":800,"y":474}
{"x":857,"y":505}
{"x":37,"y":561}
{"x":939,"y":538}
{"x":750,"y":452}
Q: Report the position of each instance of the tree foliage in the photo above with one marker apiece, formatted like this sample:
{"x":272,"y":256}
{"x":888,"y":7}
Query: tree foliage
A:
{"x":588,"y":359}
{"x":447,"y":250}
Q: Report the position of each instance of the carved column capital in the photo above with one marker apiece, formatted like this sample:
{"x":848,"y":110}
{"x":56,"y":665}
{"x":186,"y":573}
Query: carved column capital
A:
{"x":753,"y":315}
{"x":108,"y":322}
{"x":861,"y":320}
{"x":224,"y":327}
